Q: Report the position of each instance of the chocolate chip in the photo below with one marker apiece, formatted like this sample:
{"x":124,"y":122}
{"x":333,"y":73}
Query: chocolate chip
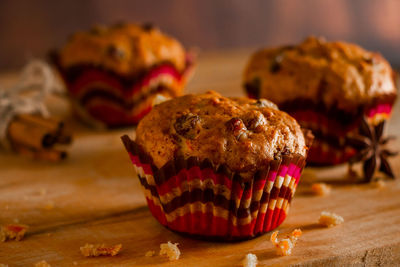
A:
{"x":187,"y":125}
{"x":115,"y":52}
{"x":237,"y":127}
{"x":147,"y":26}
{"x":253,"y":88}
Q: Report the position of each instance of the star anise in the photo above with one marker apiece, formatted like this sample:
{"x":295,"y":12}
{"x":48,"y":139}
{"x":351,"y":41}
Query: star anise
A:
{"x":370,"y":145}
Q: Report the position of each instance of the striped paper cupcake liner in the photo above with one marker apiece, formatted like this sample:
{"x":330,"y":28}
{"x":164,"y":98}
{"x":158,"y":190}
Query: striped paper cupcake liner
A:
{"x":197,"y":198}
{"x":103,"y":98}
{"x":331,"y":144}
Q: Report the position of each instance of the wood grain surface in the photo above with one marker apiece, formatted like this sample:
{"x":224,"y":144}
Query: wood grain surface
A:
{"x":94,"y":197}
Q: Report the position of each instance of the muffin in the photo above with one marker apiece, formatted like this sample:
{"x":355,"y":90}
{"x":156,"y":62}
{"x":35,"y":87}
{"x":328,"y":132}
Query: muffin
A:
{"x":335,"y":89}
{"x":218,"y":168}
{"x":115,"y":74}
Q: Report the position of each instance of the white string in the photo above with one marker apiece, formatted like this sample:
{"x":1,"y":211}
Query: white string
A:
{"x":37,"y":80}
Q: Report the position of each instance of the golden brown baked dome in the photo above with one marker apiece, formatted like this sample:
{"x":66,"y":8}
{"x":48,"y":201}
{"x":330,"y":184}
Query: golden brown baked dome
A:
{"x":125,"y":49}
{"x":242,"y":133}
{"x":334,"y":73}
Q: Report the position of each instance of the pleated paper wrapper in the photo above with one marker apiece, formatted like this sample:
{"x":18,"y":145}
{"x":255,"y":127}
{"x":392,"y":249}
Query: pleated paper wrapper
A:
{"x":197,"y":198}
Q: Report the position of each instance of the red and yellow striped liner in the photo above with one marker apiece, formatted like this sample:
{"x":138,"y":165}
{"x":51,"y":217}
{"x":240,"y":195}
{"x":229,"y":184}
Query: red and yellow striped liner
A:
{"x":101,"y":97}
{"x":197,"y":198}
{"x":323,"y":152}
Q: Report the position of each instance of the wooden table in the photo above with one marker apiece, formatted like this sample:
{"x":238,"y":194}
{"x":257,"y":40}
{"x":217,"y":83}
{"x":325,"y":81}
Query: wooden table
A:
{"x":94,"y":197}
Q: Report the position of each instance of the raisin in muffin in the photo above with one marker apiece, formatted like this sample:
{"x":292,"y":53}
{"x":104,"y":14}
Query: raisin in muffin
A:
{"x":115,"y":74}
{"x":332,"y":88}
{"x":218,"y":167}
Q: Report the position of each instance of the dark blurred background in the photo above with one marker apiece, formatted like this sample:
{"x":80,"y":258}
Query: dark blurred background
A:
{"x":30,"y":28}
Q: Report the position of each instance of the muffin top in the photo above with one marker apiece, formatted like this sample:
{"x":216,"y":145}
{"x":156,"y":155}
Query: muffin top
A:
{"x":334,"y":73}
{"x":125,"y":49}
{"x":242,"y":133}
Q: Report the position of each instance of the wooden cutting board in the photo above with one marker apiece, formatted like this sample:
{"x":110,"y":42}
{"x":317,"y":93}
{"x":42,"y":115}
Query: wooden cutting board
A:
{"x":94,"y":197}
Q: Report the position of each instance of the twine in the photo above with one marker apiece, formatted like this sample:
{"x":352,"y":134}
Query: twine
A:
{"x":36,"y":81}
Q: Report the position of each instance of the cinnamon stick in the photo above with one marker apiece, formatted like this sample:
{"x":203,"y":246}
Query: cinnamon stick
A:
{"x":51,"y":124}
{"x":33,"y":136}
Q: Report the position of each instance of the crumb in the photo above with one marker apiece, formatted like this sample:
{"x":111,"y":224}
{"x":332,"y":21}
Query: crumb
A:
{"x":250,"y":260}
{"x":16,"y":220}
{"x":42,"y":264}
{"x":330,"y":219}
{"x":284,"y":247}
{"x":321,"y":189}
{"x":48,"y":234}
{"x":7,"y":207}
{"x":49,"y":205}
{"x":379,"y":184}
{"x":150,"y":253}
{"x":12,"y":232}
{"x":94,"y":250}
{"x":171,"y":250}
{"x":3,"y":265}
{"x":75,"y":263}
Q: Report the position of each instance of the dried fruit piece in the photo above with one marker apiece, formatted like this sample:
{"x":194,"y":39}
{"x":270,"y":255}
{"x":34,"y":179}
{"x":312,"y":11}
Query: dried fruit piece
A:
{"x":94,"y":250}
{"x":187,"y":125}
{"x":236,"y":127}
{"x":250,"y":260}
{"x":115,"y":52}
{"x":284,"y":247}
{"x":330,"y":219}
{"x":263,"y":103}
{"x":170,"y":250}
{"x":321,"y":189}
{"x":255,"y":121}
{"x":12,"y":232}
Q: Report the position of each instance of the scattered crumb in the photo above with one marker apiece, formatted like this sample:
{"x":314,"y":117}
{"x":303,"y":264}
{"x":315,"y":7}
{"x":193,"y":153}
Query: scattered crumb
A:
{"x":150,"y":253}
{"x":42,"y":264}
{"x":285,"y":246}
{"x":49,"y":205}
{"x":321,"y":189}
{"x":48,"y":234}
{"x":330,"y":219}
{"x":7,"y":207}
{"x":75,"y":263}
{"x":16,"y":220}
{"x":171,"y":250}
{"x":94,"y":250}
{"x":250,"y":260}
{"x":12,"y":232}
{"x":3,"y":265}
{"x":379,"y":184}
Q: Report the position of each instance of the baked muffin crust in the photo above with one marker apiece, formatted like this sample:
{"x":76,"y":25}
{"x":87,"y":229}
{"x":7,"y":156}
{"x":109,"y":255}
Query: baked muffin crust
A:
{"x":242,"y":133}
{"x":125,"y":49}
{"x":334,"y":73}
